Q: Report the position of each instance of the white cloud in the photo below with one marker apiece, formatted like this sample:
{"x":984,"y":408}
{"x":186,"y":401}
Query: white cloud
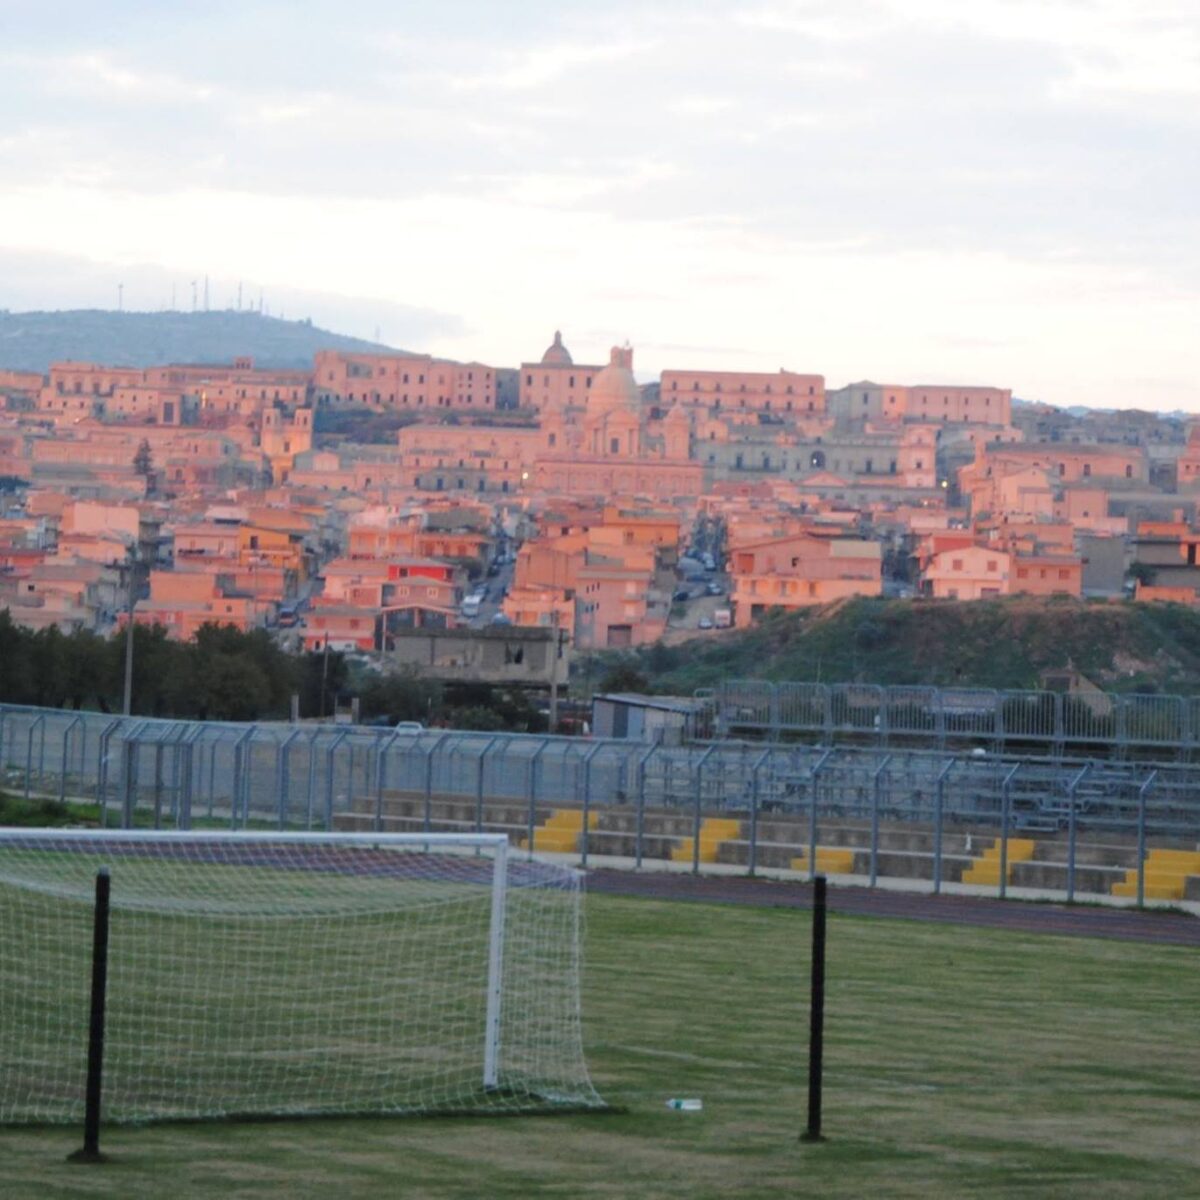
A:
{"x":539,"y":66}
{"x":700,"y":106}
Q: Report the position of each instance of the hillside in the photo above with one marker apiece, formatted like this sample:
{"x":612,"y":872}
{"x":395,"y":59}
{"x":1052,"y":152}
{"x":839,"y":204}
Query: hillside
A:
{"x":31,"y":341}
{"x":1000,"y":643}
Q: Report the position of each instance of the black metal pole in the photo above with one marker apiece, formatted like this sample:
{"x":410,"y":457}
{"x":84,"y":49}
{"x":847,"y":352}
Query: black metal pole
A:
{"x":90,"y":1153}
{"x":816,"y":1026}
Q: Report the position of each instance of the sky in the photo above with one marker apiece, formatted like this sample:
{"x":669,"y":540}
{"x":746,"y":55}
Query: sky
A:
{"x":1000,"y":192}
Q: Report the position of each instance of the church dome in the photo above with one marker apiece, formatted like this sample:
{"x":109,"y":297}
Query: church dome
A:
{"x":615,"y":387}
{"x":557,"y":355}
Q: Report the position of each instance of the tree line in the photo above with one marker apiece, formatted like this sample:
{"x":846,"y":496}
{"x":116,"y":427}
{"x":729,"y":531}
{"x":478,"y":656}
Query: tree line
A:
{"x":227,"y":675}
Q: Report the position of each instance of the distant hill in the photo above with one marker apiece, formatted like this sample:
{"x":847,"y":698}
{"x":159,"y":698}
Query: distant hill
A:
{"x":1004,"y":643}
{"x":31,"y":341}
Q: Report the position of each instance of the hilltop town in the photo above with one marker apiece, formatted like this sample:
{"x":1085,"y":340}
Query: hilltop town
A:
{"x":560,"y":505}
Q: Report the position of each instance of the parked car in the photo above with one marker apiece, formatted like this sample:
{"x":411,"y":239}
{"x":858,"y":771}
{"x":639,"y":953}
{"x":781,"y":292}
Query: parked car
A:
{"x":680,"y":596}
{"x":706,"y":623}
{"x":714,"y":589}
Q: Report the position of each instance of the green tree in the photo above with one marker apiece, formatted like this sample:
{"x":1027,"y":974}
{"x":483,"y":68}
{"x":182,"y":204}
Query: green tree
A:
{"x":16,"y":667}
{"x":624,"y":677}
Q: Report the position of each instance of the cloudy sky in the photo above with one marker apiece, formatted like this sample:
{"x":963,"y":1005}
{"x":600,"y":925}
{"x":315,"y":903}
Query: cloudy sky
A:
{"x":991,"y":191}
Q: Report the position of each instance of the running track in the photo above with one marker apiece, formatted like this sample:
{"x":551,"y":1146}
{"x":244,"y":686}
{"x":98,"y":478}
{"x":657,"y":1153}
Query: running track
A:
{"x":1124,"y":924}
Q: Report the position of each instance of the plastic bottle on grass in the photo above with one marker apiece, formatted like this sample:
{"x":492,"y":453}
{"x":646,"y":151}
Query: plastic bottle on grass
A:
{"x":686,"y":1105}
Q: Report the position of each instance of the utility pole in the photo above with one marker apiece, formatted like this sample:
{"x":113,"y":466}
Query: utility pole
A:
{"x":127,"y":707}
{"x":558,"y":638}
{"x":120,"y":297}
{"x":206,"y":293}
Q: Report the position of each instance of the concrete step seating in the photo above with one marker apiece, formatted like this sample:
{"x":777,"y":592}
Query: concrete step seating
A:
{"x":1167,"y":873}
{"x":831,"y":860}
{"x":561,"y":831}
{"x":713,"y":831}
{"x":986,"y":868}
{"x":906,"y":849}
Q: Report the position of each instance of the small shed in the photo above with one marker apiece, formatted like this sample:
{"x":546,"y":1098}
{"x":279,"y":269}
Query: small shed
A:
{"x":667,"y":719}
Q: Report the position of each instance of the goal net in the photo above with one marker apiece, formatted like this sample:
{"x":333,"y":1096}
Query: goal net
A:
{"x":289,"y":974}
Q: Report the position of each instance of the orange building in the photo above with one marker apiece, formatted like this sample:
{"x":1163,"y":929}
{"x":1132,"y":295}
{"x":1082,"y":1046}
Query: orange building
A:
{"x":800,"y":570}
{"x":745,"y":391}
{"x":402,"y":381}
{"x":555,"y":382}
{"x":936,"y":404}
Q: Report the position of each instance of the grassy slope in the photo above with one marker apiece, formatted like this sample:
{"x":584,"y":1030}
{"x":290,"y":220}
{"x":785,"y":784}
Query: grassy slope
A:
{"x":959,"y":1062}
{"x":999,"y":643}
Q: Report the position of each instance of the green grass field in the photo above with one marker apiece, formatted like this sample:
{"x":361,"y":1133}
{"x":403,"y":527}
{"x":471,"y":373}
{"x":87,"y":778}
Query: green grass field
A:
{"x":960,"y":1062}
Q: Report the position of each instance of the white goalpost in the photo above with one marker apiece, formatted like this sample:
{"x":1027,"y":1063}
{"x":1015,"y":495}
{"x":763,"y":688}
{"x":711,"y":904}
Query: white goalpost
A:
{"x":275,"y":974}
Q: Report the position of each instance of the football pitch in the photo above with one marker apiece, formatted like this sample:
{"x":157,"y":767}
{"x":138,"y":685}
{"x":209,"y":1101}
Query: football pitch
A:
{"x":959,"y":1061}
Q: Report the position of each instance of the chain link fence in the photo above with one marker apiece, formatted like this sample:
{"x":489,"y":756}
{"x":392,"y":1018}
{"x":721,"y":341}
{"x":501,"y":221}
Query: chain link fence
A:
{"x":928,"y":817}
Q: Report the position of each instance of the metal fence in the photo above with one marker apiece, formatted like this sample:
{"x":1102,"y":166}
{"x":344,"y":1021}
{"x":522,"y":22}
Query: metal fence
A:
{"x":1107,"y":723}
{"x":880,"y":811}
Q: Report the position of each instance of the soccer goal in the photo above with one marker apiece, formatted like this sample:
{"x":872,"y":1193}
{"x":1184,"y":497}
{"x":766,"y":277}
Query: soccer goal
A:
{"x":289,"y":974}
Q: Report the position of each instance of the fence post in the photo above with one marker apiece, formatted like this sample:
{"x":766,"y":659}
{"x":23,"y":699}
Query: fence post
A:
{"x":533,"y":765}
{"x":875,"y":797}
{"x":284,"y":777}
{"x":427,"y":820}
{"x":381,"y":779}
{"x":698,"y":818}
{"x":479,"y":783}
{"x":63,"y":754}
{"x":247,"y":781}
{"x":330,"y":773}
{"x":129,"y":801}
{"x":183,"y":795}
{"x":1143,"y":792}
{"x":1071,"y":829}
{"x":33,"y":725}
{"x":640,"y":834}
{"x":754,"y":803}
{"x":587,"y":802}
{"x":102,"y":769}
{"x":158,"y":765}
{"x":815,"y":781}
{"x":1005,"y":824}
{"x":939,"y":803}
